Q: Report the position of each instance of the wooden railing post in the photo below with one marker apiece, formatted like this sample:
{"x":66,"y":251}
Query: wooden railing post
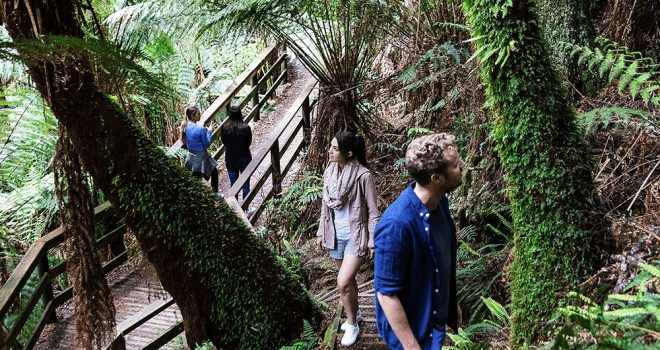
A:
{"x":275,"y":166}
{"x":44,"y":270}
{"x":255,"y":97}
{"x":307,"y":122}
{"x":285,"y":64}
{"x":118,"y":344}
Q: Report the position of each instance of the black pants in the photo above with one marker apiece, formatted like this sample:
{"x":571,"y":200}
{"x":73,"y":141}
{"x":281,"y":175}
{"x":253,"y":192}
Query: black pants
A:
{"x":214,"y":178}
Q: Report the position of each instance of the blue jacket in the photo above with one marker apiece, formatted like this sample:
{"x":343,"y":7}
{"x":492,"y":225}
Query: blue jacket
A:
{"x":198,"y":138}
{"x":407,"y":265}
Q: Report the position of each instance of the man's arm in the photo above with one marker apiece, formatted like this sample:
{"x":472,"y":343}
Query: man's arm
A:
{"x":396,"y":316}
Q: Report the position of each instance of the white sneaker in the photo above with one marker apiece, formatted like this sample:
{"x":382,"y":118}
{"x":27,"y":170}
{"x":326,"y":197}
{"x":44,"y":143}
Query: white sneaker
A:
{"x":358,"y":318}
{"x":350,"y":335}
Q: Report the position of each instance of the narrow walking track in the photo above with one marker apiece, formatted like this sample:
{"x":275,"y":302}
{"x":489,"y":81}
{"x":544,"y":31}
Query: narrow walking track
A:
{"x":136,"y":287}
{"x":368,"y":338}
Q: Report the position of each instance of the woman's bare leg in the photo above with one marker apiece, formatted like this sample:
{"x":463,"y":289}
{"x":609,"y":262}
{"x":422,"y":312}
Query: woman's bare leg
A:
{"x":348,"y":269}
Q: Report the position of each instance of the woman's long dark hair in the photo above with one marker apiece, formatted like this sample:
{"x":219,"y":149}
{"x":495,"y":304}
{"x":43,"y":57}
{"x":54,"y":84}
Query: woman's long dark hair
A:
{"x":351,"y":142}
{"x":235,"y":124}
{"x":190,"y":111}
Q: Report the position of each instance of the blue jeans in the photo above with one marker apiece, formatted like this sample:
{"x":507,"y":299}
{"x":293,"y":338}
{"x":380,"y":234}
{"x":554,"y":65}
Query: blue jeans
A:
{"x":233,"y":176}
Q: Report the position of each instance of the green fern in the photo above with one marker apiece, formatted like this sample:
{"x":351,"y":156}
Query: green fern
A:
{"x":309,"y":340}
{"x":625,"y":321}
{"x":497,"y":311}
{"x":28,"y":132}
{"x":635,"y":72}
{"x":463,"y":339}
{"x":603,"y":117}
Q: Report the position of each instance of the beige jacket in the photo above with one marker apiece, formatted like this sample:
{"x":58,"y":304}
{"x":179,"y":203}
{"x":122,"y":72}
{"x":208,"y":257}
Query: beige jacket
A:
{"x":363,"y":214}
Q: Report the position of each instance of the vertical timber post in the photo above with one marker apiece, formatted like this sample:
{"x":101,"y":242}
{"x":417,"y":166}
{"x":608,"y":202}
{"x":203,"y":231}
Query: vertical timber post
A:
{"x":275,"y":166}
{"x":307,"y":122}
{"x":285,"y":64}
{"x":44,"y":272}
{"x":255,"y":97}
{"x":119,"y":343}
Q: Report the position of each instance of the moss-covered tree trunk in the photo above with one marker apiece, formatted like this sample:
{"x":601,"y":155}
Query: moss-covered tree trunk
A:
{"x":568,"y":21}
{"x":547,"y":165}
{"x":230,"y":287}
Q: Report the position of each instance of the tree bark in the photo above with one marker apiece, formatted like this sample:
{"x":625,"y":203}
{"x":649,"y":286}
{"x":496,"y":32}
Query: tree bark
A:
{"x":568,"y":21}
{"x":546,"y":161}
{"x":229,"y":286}
{"x":94,"y":306}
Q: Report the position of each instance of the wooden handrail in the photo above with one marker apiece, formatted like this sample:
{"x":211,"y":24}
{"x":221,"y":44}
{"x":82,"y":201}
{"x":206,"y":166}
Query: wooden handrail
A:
{"x":222,"y":102}
{"x":272,"y":147}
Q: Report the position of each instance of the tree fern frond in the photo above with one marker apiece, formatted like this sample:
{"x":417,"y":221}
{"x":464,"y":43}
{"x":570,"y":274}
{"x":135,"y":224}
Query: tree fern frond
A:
{"x":597,"y":58}
{"x":107,"y":56}
{"x":646,"y":92}
{"x":604,"y":116}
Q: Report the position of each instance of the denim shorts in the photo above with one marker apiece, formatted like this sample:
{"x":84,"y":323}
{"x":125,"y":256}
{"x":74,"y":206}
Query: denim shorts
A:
{"x":342,"y":248}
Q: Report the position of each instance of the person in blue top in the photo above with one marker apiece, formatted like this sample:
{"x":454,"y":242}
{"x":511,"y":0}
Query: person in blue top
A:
{"x":197,"y":139}
{"x":236,"y":135}
{"x":415,"y":242}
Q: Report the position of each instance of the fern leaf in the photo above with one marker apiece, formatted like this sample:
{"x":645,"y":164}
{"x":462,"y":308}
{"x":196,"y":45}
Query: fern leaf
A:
{"x":625,"y":313}
{"x":575,"y":50}
{"x":497,"y":310}
{"x":606,"y":64}
{"x":654,"y":270}
{"x":623,"y":297}
{"x":586,"y":53}
{"x":646,"y":92}
{"x":408,"y":74}
{"x":618,"y":68}
{"x":636,"y":83}
{"x":597,"y":58}
{"x":628,"y":76}
{"x":438,"y":106}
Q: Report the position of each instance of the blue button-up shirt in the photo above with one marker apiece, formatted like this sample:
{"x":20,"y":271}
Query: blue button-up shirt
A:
{"x":410,"y":265}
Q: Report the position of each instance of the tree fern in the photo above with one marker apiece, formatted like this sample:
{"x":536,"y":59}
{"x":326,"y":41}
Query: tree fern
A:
{"x":639,"y":74}
{"x":28,"y":131}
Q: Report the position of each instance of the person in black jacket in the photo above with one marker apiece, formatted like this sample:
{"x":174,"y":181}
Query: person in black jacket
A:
{"x":236,"y":135}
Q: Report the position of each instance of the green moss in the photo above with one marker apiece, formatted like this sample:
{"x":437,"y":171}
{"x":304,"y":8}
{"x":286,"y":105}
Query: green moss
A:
{"x":545,"y":158}
{"x":566,"y":21}
{"x":257,"y":302}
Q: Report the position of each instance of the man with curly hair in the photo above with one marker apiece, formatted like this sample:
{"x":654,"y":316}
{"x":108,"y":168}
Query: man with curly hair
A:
{"x":415,"y":242}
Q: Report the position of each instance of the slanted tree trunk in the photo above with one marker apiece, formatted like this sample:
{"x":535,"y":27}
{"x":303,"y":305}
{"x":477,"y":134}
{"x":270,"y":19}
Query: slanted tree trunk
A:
{"x":229,"y":286}
{"x":546,"y":162}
